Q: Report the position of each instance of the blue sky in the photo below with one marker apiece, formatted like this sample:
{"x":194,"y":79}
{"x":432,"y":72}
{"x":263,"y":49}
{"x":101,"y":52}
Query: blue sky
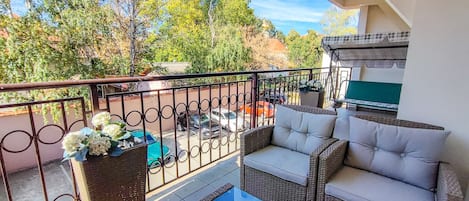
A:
{"x":300,"y":15}
{"x":18,"y":7}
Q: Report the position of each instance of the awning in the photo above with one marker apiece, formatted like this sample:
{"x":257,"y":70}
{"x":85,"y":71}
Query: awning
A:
{"x":375,"y":50}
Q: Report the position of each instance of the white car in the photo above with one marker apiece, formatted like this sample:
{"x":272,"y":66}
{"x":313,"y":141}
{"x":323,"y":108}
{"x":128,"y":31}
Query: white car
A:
{"x":229,"y":120}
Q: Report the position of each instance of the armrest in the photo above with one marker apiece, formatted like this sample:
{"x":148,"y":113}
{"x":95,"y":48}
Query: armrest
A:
{"x":448,"y":188}
{"x":256,"y":139}
{"x":330,"y":161}
{"x":313,"y":168}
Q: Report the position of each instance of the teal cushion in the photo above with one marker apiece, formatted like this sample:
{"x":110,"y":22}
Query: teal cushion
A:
{"x":374,"y":91}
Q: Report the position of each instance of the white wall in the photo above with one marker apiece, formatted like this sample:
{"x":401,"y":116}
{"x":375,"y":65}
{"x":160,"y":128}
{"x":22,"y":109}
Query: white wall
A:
{"x":392,"y":75}
{"x":377,"y":21}
{"x":436,"y":80}
{"x":405,"y":9}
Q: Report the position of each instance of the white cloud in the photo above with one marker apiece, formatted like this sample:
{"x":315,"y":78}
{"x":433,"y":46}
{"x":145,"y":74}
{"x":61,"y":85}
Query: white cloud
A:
{"x":277,"y":10}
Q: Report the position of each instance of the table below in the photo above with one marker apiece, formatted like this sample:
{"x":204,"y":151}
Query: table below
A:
{"x":230,"y":193}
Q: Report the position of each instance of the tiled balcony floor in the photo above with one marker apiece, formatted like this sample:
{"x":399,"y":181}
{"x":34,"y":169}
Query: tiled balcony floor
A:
{"x":197,"y":185}
{"x":25,"y":185}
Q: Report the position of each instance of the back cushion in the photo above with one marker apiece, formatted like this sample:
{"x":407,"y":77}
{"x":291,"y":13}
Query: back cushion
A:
{"x":410,"y":155}
{"x":301,"y":131}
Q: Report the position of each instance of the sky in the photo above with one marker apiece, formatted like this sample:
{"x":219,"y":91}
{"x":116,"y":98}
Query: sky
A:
{"x":300,"y":15}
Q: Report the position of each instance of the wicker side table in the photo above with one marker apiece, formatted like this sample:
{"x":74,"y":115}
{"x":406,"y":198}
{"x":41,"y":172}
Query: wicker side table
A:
{"x":113,"y":178}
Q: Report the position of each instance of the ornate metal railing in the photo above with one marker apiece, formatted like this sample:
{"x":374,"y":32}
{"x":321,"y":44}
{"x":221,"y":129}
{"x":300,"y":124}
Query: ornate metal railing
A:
{"x":30,"y":141}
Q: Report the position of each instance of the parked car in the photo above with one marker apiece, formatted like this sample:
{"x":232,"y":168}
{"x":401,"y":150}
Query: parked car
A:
{"x":155,"y":156}
{"x":229,"y":120}
{"x":198,"y":123}
{"x":264,"y":109}
{"x":274,"y":97}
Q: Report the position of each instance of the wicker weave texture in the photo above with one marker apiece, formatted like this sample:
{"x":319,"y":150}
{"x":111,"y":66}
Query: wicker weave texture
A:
{"x":398,"y":122}
{"x":448,"y":188}
{"x":309,"y":109}
{"x":267,"y":186}
{"x":330,"y":161}
{"x":113,"y":178}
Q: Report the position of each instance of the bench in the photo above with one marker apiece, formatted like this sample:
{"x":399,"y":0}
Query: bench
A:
{"x":374,"y":95}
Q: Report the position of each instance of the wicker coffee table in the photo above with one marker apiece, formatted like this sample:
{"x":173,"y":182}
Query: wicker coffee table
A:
{"x":230,"y":193}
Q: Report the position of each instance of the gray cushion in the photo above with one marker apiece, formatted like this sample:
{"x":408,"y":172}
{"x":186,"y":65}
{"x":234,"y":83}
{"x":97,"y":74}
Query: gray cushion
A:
{"x":284,"y":163}
{"x":341,"y":128}
{"x":410,"y":155}
{"x":301,"y":131}
{"x":358,"y":185}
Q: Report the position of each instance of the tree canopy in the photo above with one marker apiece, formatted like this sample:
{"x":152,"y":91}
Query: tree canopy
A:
{"x":336,"y":21}
{"x":304,"y":51}
{"x":76,"y":39}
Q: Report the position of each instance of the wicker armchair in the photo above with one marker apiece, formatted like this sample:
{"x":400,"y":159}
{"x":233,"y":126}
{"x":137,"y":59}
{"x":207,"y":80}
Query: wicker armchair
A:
{"x":267,"y":186}
{"x":332,"y":166}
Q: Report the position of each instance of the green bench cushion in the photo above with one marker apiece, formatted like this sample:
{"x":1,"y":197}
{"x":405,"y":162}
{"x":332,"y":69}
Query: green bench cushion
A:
{"x":378,"y":94}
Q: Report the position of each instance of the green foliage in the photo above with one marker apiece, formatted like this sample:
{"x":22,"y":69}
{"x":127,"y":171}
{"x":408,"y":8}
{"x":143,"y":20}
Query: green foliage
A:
{"x":182,"y":36}
{"x":229,"y":54}
{"x":234,"y":12}
{"x":339,"y":22}
{"x":304,"y":51}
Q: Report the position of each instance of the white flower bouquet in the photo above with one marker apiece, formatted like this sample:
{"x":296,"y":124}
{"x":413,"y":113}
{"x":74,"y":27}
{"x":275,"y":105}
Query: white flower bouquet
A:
{"x":311,"y":85}
{"x":104,"y":140}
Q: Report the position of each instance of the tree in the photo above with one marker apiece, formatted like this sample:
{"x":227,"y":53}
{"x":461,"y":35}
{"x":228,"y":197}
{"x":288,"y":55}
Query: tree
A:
{"x":336,"y":21}
{"x":304,"y":51}
{"x":229,"y":54}
{"x":182,"y":35}
{"x":235,"y":12}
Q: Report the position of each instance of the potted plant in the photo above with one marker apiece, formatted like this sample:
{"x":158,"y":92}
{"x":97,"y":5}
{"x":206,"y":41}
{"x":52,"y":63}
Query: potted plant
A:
{"x":311,"y":93}
{"x":107,"y":162}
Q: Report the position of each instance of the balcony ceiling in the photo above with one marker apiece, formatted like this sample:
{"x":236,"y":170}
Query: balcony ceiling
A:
{"x":352,"y":4}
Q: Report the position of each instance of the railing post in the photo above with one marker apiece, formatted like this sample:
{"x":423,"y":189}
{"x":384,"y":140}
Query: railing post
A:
{"x":94,"y":98}
{"x":254,"y":86}
{"x":336,"y":82}
{"x":310,"y":74}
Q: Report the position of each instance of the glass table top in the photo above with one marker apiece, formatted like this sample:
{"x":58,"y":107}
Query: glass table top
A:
{"x":235,"y":194}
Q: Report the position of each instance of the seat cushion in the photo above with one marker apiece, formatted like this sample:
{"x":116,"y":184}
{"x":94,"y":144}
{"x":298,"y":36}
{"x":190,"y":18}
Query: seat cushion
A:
{"x":301,"y":131}
{"x":410,"y":155}
{"x":359,"y":185}
{"x":284,"y":163}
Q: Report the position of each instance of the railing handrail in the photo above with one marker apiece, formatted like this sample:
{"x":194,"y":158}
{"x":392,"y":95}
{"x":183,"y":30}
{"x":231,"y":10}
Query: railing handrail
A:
{"x":70,"y":83}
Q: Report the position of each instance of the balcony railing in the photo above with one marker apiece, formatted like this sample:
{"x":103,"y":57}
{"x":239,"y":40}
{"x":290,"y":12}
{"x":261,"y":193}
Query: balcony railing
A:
{"x":199,"y":118}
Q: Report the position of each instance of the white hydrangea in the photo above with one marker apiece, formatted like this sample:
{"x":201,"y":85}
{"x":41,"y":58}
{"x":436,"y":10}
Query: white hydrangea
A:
{"x":317,"y":85}
{"x":113,"y":130}
{"x":72,"y":141}
{"x":98,"y":145}
{"x":101,"y":119}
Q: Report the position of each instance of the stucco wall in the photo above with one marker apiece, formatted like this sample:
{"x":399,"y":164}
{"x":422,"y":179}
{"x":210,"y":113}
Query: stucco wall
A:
{"x":392,"y":75}
{"x":377,"y":21}
{"x":404,"y":8}
{"x":435,"y":87}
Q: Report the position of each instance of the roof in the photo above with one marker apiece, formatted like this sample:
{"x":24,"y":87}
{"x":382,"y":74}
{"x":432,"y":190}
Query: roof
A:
{"x":276,"y":45}
{"x":380,"y":50}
